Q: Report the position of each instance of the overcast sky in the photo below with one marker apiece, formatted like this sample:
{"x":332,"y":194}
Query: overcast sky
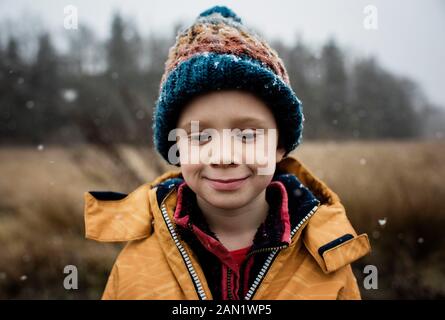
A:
{"x":409,"y":39}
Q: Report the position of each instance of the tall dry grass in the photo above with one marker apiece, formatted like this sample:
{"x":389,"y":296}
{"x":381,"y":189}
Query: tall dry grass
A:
{"x":41,"y":212}
{"x":400,"y":183}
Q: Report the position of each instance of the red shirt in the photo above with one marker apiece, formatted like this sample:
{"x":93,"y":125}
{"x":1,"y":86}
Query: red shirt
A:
{"x":240,"y":254}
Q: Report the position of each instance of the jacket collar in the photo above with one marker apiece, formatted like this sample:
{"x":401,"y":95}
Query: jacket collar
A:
{"x":328,"y":235}
{"x":118,"y":217}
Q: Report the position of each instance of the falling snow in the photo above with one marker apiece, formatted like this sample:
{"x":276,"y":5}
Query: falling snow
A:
{"x":382,"y":222}
{"x":140,"y":114}
{"x":30,"y":104}
{"x":235,"y":58}
{"x":69,"y":95}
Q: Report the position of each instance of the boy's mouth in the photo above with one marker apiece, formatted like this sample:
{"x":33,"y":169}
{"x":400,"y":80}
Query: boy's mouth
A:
{"x":226,"y":184}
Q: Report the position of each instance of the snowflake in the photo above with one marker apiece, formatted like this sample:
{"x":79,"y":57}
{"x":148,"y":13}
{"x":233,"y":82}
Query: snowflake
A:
{"x":30,"y":104}
{"x":383,"y":221}
{"x":69,"y":95}
{"x":140,"y":114}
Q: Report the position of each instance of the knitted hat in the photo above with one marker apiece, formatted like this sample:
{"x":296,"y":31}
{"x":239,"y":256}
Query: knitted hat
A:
{"x":218,"y":52}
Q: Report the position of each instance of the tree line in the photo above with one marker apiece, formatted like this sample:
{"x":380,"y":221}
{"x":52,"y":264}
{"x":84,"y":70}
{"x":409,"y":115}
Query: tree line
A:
{"x":104,"y":91}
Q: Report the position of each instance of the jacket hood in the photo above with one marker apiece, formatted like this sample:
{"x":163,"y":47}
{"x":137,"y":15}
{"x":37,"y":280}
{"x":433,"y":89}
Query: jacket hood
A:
{"x":328,"y":235}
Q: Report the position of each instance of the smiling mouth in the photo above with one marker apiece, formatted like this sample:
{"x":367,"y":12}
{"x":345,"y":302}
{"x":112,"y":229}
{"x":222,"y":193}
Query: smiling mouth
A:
{"x":227,"y":184}
{"x":227,"y":180}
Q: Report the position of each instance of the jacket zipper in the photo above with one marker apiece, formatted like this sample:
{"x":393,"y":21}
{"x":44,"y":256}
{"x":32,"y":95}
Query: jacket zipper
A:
{"x":184,"y":253}
{"x":261,"y":274}
{"x":274,"y":251}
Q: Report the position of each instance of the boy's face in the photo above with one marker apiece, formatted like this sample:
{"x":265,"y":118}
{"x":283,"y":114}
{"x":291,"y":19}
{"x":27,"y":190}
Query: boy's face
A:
{"x":228,"y":149}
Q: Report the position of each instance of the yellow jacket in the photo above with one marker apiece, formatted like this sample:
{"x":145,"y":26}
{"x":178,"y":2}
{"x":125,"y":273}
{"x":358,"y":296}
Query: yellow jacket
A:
{"x":157,"y":264}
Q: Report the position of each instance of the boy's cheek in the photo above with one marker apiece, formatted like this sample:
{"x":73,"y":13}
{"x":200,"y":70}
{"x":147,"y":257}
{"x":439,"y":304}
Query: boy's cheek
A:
{"x":186,"y":155}
{"x":267,"y":169}
{"x":265,"y":161}
{"x":190,"y":171}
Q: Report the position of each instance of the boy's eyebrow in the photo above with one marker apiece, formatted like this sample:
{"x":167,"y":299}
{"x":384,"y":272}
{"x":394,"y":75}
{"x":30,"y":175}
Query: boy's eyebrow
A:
{"x":188,"y":125}
{"x":244,"y":121}
{"x":250,"y":121}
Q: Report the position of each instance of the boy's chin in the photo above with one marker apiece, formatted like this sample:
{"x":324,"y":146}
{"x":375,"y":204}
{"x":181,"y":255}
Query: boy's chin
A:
{"x":227,"y":200}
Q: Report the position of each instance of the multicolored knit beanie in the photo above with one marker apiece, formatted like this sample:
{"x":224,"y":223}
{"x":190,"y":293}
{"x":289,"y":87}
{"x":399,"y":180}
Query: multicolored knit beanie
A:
{"x":218,"y":52}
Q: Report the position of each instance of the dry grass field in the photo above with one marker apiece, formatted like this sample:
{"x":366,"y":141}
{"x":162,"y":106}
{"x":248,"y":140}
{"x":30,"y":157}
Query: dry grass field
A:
{"x":41,"y":212}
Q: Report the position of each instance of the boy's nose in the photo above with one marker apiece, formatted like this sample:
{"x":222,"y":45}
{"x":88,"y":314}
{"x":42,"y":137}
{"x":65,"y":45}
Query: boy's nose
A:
{"x":223,"y":158}
{"x":224,"y":151}
{"x":223,"y":165}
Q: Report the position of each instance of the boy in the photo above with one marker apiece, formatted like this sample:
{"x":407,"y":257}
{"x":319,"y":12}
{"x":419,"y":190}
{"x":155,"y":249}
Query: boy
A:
{"x":241,"y":220}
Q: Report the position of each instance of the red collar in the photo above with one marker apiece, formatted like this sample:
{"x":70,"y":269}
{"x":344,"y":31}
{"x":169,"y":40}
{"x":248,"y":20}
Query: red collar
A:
{"x":239,"y":255}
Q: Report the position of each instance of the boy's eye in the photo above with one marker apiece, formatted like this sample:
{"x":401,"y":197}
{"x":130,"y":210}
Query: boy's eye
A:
{"x":200,"y":137}
{"x":247,"y":135}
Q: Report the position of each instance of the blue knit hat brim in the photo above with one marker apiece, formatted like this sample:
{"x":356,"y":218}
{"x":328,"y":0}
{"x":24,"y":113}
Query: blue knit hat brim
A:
{"x":210,"y":71}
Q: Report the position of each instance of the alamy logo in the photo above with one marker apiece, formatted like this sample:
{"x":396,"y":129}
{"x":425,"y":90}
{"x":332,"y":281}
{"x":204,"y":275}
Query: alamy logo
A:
{"x":70,"y":282}
{"x":371,"y":21}
{"x":371,"y":280}
{"x":70,"y":21}
{"x":248,"y":146}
